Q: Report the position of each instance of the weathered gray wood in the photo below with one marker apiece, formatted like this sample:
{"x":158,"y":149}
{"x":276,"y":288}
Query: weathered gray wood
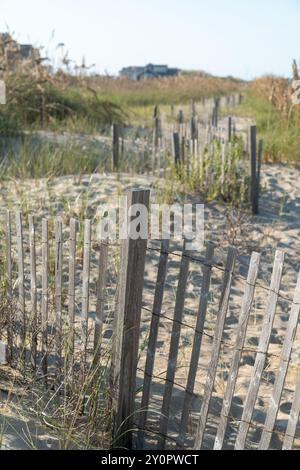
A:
{"x":223,"y":168}
{"x":212,"y":369}
{"x":282,"y":370}
{"x":193,"y":128}
{"x":176,"y":148}
{"x":44,"y":307}
{"x":182,"y":158}
{"x":193,"y":108}
{"x":180,"y":118}
{"x":127,"y":328}
{"x":71,"y":294}
{"x":101,"y":291}
{"x":253,"y":170}
{"x":154,"y":326}
{"x":204,"y":296}
{"x":259,"y":163}
{"x":116,"y":147}
{"x":174,"y":345}
{"x":156,"y":129}
{"x":33,"y":292}
{"x":240,"y":340}
{"x":85,"y":286}
{"x":58,"y":296}
{"x":215,"y":113}
{"x":234,"y":129}
{"x":21,"y":289}
{"x":9,"y":288}
{"x":196,"y":154}
{"x":293,"y":419}
{"x":262,"y":352}
{"x":229,"y":136}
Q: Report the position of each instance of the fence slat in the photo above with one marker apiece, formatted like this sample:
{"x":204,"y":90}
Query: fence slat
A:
{"x":212,"y":369}
{"x":253,"y":169}
{"x":127,"y":328}
{"x":9,"y":288}
{"x":21,"y":290}
{"x":71,"y":295}
{"x":229,"y":130}
{"x":240,"y":340}
{"x":204,"y":295}
{"x":174,"y":344}
{"x":282,"y":370}
{"x":176,"y":148}
{"x":262,"y":352}
{"x":293,"y":419}
{"x":85,"y":287}
{"x":44,"y":307}
{"x":100,"y":307}
{"x":115,"y":147}
{"x":154,"y":326}
{"x":58,"y":295}
{"x":259,"y":164}
{"x":33,"y":291}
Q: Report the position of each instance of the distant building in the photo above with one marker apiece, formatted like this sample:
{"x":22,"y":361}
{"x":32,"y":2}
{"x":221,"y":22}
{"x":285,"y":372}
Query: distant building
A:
{"x":148,"y":71}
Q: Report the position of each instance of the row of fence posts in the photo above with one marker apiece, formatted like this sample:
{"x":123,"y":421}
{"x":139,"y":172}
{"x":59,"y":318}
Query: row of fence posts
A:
{"x":178,"y":145}
{"x":256,"y":152}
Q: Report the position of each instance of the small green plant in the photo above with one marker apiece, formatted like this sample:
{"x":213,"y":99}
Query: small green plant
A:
{"x":218,"y":172}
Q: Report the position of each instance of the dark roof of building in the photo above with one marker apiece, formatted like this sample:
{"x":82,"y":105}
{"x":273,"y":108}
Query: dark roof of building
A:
{"x":151,"y":69}
{"x":25,"y":50}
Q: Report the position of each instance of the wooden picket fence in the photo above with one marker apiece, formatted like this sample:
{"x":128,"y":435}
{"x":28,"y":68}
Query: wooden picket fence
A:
{"x":56,"y":319}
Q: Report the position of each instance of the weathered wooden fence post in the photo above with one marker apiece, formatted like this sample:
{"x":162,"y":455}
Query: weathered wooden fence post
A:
{"x":33,"y":292}
{"x":127,"y":323}
{"x":193,"y":128}
{"x":156,"y":127}
{"x":9,"y":288}
{"x":58,"y":298}
{"x":180,"y":118}
{"x":116,"y":146}
{"x":21,"y":288}
{"x":45,"y":298}
{"x":156,"y":136}
{"x":215,"y":114}
{"x":253,"y":171}
{"x":176,"y":148}
{"x":193,"y":108}
{"x":229,"y":128}
{"x":259,"y":163}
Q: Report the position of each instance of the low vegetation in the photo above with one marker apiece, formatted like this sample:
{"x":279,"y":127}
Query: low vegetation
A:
{"x":269,"y":101}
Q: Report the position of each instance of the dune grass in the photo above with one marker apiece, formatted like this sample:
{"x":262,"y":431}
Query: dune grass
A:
{"x":41,"y":159}
{"x":279,"y":131}
{"x":163,"y":91}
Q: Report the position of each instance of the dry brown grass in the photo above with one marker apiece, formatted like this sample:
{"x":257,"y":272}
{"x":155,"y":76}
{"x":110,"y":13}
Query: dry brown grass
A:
{"x":277,"y":90}
{"x":166,"y":90}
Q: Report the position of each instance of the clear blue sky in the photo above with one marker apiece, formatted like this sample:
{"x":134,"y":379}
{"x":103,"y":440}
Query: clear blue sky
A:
{"x":244,"y":38}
